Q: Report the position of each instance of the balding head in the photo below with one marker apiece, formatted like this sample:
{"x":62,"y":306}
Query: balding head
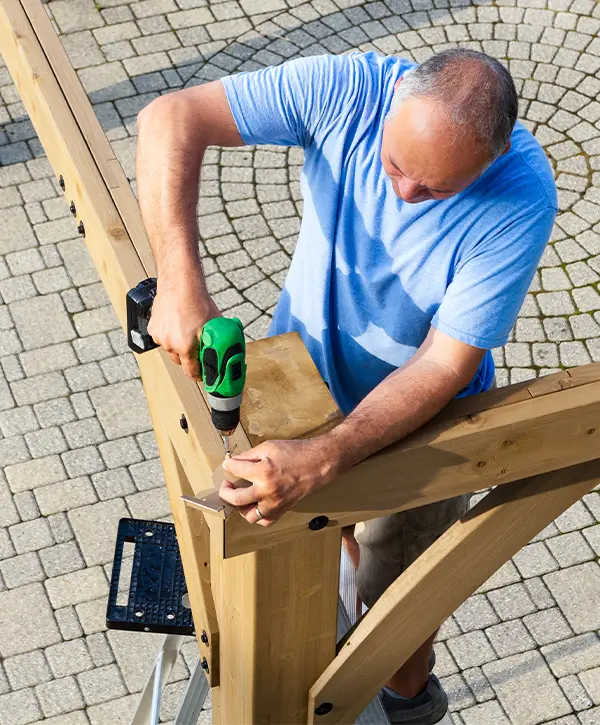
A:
{"x":449,"y":119}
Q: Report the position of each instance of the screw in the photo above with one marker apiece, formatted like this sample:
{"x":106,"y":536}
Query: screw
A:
{"x":61,"y":182}
{"x":319,"y":522}
{"x":81,"y":229}
{"x":323,"y":708}
{"x":72,"y":209}
{"x":204,"y":664}
{"x":183,"y":423}
{"x":204,"y":638}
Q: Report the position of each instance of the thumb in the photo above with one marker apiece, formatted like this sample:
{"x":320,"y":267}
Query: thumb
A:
{"x":242,"y":467}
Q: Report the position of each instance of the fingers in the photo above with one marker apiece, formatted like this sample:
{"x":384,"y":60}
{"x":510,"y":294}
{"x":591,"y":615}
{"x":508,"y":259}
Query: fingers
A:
{"x":174,"y":357}
{"x":242,"y":496}
{"x":191,"y":365}
{"x":251,"y":515}
{"x":247,"y":468}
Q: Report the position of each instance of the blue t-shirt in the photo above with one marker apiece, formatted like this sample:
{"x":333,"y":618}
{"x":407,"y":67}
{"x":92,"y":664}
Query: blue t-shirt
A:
{"x":371,"y":273}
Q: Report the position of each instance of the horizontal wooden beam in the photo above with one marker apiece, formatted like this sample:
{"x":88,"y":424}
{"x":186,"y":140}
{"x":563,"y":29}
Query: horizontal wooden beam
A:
{"x":513,"y":433}
{"x":437,"y":583}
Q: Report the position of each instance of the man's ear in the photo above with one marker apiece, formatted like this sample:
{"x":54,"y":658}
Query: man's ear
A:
{"x":506,"y":149}
{"x":397,"y":83}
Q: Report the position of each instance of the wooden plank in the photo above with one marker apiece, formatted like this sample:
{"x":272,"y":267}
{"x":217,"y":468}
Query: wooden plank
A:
{"x":444,"y":459}
{"x":438,"y":582}
{"x":278,"y":629}
{"x":193,"y":537}
{"x":98,"y":144}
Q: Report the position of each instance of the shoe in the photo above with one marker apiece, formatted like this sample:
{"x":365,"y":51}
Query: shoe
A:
{"x":428,"y":708}
{"x":432,"y":660}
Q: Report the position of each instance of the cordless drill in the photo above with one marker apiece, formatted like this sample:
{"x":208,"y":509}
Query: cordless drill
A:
{"x":222,"y":357}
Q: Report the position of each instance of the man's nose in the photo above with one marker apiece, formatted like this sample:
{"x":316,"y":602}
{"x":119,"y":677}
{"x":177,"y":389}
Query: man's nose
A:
{"x":409,"y":190}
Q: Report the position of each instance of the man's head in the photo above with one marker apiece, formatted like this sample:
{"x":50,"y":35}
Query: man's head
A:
{"x":449,"y":120}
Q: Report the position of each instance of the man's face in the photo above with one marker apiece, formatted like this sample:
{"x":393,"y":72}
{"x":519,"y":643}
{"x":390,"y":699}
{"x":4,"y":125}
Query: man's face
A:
{"x":422,"y":155}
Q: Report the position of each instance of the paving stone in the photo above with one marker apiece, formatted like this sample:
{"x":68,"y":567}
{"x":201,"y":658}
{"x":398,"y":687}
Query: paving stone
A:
{"x":534,"y":560}
{"x":68,"y":623}
{"x":69,"y":658}
{"x":65,"y":495}
{"x":101,"y":684}
{"x":575,"y":517}
{"x":510,"y":638}
{"x":575,"y":693}
{"x":116,"y":712}
{"x":22,"y":632}
{"x":17,"y":421}
{"x":31,"y":535}
{"x":110,"y":402}
{"x":93,"y":526}
{"x":21,"y":570}
{"x":471,"y":650}
{"x":100,"y":649}
{"x":148,"y":474}
{"x":61,"y":559}
{"x":83,"y":433}
{"x":46,"y":442}
{"x":59,"y":696}
{"x":47,"y":359}
{"x":82,"y":461}
{"x":515,"y":678}
{"x":572,"y":594}
{"x":77,"y":587}
{"x":19,"y":708}
{"x":27,"y":670}
{"x":570,"y":549}
{"x":15,"y":230}
{"x":92,"y":615}
{"x":511,"y":602}
{"x":61,"y":529}
{"x":475,"y":613}
{"x":590,"y":680}
{"x":490,"y":713}
{"x":574,"y":655}
{"x":31,"y":474}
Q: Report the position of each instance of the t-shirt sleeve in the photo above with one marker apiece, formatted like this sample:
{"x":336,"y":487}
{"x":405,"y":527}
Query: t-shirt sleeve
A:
{"x":288,"y":104}
{"x":483,"y":300}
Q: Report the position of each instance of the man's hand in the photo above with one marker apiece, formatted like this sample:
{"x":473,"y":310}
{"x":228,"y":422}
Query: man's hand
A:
{"x":179,"y":312}
{"x":281,"y":472}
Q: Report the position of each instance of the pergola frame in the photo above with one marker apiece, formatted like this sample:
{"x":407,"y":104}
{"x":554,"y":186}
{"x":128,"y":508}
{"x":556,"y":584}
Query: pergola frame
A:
{"x":267,"y":598}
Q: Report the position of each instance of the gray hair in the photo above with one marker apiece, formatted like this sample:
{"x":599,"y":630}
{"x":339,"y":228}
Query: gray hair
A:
{"x":477,"y":92}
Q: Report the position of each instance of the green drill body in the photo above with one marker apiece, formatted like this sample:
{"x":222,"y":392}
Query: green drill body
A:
{"x":222,"y":357}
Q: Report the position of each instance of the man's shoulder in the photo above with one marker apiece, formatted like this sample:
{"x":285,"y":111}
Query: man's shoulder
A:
{"x":529,"y":166}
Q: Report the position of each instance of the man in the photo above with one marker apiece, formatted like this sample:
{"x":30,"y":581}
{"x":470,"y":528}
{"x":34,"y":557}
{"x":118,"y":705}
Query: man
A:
{"x":425,"y":214}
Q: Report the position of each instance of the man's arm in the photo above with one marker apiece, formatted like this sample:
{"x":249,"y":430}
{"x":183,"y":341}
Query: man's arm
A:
{"x":174,"y":132}
{"x":284,"y":472}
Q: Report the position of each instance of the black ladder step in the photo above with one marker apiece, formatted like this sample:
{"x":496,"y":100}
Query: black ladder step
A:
{"x":157,"y":586}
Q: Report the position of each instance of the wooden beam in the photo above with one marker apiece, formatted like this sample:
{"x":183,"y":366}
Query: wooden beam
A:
{"x":278,"y":614}
{"x":437,"y":583}
{"x":451,"y":456}
{"x":193,"y":538}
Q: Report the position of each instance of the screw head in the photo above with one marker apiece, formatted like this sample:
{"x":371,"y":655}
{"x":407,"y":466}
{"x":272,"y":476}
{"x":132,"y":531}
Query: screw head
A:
{"x":72,"y":208}
{"x":81,"y":229}
{"x":61,"y":182}
{"x":204,"y":664}
{"x":323,"y":708}
{"x":319,"y":522}
{"x":204,"y":638}
{"x":183,"y":423}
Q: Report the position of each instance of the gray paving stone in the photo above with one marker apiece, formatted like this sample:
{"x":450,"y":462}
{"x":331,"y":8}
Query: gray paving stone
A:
{"x":69,"y":658}
{"x":575,"y":517}
{"x":68,"y":623}
{"x":121,"y":408}
{"x":27,"y":670}
{"x":510,"y":638}
{"x":534,"y":560}
{"x":59,"y":696}
{"x":575,"y":693}
{"x":19,"y":708}
{"x":100,"y":649}
{"x":532,"y":675}
{"x":21,"y":632}
{"x":47,"y":359}
{"x":511,"y":602}
{"x":570,"y":549}
{"x":61,"y":529}
{"x":148,"y":474}
{"x":489,"y":713}
{"x":573,"y":655}
{"x":93,"y":526}
{"x":61,"y":559}
{"x":101,"y":684}
{"x":118,"y":711}
{"x":590,"y":679}
{"x":15,"y":231}
{"x":92,"y":615}
{"x":475,"y":613}
{"x":77,"y":587}
{"x":82,"y":461}
{"x":471,"y":649}
{"x":81,"y":433}
{"x":46,"y":442}
{"x":31,"y":474}
{"x":64,"y":495}
{"x":39,"y":388}
{"x":31,"y":535}
{"x":21,"y":570}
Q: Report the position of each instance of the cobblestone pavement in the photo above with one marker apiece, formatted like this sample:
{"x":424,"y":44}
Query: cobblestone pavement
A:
{"x":525,"y":649}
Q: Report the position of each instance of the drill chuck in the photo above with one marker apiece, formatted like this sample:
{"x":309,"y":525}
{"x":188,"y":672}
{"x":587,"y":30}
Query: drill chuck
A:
{"x":225,"y":412}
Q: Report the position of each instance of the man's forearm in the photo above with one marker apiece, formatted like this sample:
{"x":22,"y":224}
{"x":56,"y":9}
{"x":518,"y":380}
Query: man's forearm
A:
{"x":169,"y":157}
{"x":402,"y":403}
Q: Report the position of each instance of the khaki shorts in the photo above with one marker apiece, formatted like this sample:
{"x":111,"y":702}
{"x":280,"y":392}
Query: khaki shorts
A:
{"x":390,"y":544}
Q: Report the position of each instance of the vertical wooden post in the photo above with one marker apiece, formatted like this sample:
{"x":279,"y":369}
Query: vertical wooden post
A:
{"x":277,"y":611}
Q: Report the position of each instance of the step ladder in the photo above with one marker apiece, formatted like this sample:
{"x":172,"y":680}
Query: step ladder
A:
{"x":156,"y":601}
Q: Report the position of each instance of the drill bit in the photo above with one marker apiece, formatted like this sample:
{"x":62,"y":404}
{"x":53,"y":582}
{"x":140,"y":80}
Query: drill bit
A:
{"x":227,"y":447}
